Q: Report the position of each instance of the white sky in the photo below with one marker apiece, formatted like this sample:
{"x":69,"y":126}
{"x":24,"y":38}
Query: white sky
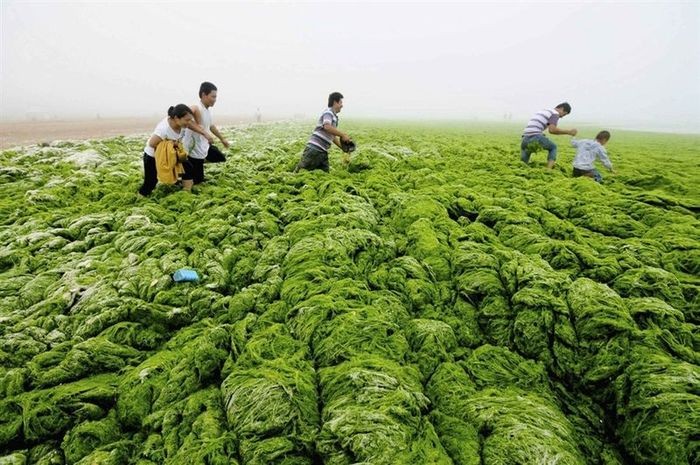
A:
{"x":630,"y":63}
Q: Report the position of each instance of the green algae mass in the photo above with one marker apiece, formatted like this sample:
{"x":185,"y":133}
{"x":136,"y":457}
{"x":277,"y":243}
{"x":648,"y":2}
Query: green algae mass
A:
{"x":431,"y":300}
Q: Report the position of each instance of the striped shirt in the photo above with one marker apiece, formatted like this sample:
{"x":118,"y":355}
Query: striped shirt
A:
{"x":587,"y":151}
{"x":320,"y":137}
{"x":540,"y":121}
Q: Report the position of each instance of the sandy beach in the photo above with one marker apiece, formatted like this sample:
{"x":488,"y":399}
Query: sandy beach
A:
{"x":17,"y":133}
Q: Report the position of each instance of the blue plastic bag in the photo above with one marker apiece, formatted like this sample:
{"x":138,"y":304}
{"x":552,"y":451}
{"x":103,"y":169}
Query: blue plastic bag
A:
{"x":184,"y":275}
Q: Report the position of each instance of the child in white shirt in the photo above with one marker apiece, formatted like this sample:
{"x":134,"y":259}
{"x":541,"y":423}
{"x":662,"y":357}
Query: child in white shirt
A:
{"x":587,"y":151}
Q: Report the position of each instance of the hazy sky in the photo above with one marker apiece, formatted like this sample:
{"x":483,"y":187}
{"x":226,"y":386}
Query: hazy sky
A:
{"x":624,"y":63}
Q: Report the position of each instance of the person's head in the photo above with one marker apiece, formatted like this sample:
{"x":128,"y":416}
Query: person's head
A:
{"x":603,"y":137}
{"x":335,"y":101}
{"x":181,"y":115}
{"x":563,"y":109}
{"x":207,"y":94}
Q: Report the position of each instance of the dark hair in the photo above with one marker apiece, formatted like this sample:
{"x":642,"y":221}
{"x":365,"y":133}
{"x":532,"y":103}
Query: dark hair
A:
{"x":603,"y":135}
{"x":564,"y":106}
{"x":206,"y":88}
{"x":334,"y":97}
{"x":179,"y":110}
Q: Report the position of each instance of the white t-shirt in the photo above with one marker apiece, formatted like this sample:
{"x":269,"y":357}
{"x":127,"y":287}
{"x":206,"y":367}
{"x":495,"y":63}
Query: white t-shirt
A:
{"x":165,"y":132}
{"x":196,"y":145}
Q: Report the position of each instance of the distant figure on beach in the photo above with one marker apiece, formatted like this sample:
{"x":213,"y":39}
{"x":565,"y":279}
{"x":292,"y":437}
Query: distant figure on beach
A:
{"x":533,"y":137}
{"x":258,"y":116}
{"x":587,"y":151}
{"x":199,"y":147}
{"x":169,"y":129}
{"x":315,"y":154}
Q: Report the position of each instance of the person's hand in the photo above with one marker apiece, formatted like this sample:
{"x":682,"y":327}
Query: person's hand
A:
{"x":345,"y":138}
{"x":573,"y":132}
{"x":225,"y":143}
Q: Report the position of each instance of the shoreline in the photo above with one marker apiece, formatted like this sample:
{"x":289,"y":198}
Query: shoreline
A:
{"x":19,"y":133}
{"x":22,"y":133}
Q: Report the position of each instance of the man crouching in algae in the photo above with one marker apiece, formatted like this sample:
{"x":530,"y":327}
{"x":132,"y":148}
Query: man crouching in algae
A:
{"x":315,"y":154}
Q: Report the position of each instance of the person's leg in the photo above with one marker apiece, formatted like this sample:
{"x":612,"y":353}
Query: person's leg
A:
{"x":214,"y":155}
{"x":550,"y":147}
{"x":197,"y":170}
{"x":524,"y":150}
{"x":311,"y":159}
{"x":150,"y":176}
{"x":320,"y":160}
{"x":323,"y":162}
{"x":304,"y":161}
{"x":187,"y":181}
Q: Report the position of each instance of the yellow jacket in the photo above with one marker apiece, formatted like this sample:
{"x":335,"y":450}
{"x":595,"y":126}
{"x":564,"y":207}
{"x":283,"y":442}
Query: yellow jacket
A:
{"x":168,"y":156}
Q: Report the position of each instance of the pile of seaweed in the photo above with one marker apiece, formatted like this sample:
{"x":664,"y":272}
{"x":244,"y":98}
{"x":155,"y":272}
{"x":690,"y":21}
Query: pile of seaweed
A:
{"x":430,"y":300}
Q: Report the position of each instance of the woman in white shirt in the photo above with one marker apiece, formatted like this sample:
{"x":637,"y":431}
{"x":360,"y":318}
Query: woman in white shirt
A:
{"x":170,"y":128}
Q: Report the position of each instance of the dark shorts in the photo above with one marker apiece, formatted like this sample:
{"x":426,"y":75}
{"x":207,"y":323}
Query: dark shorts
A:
{"x":150,"y":174}
{"x":595,"y":174}
{"x":313,"y":158}
{"x":197,"y":170}
{"x":214,"y":155}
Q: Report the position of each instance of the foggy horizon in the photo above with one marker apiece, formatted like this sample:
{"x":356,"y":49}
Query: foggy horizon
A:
{"x":624,"y":64}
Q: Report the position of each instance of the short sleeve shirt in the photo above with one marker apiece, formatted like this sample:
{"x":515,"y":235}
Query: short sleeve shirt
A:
{"x":165,"y":132}
{"x":540,"y":122}
{"x":321,"y":138}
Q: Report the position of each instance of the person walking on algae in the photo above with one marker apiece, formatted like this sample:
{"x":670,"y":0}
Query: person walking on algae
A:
{"x":587,"y":151}
{"x":533,"y":137}
{"x":199,"y":147}
{"x":315,"y":154}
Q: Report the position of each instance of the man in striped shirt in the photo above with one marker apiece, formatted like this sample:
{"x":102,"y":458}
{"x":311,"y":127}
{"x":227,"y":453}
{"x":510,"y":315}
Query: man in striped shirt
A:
{"x":315,"y":154}
{"x":533,"y":138}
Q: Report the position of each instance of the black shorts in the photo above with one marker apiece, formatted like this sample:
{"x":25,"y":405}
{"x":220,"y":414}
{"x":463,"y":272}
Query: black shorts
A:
{"x":150,"y":174}
{"x":214,"y":155}
{"x":577,"y":172}
{"x":313,"y":158}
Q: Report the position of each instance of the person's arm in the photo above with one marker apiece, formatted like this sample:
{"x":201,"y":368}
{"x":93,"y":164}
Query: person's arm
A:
{"x":200,"y":130}
{"x":574,"y":143}
{"x":328,"y":127}
{"x":603,"y":155}
{"x":154,"y":141}
{"x":196,"y":125}
{"x":215,"y":131}
{"x":553,"y":129}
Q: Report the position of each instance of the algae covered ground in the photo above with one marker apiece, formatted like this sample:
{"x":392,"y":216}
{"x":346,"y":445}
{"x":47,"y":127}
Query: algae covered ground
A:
{"x":430,"y":301}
